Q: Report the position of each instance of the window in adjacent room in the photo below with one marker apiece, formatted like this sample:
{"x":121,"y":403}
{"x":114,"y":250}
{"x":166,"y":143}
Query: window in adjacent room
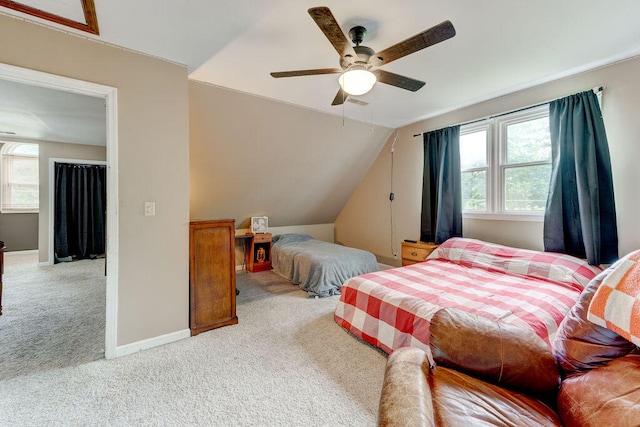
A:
{"x":506,"y":164}
{"x":19,"y":177}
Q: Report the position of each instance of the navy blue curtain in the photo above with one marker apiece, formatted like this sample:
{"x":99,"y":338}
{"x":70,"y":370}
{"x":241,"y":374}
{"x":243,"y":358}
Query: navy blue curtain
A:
{"x":80,"y":208}
{"x":580,"y":217}
{"x":441,"y":216}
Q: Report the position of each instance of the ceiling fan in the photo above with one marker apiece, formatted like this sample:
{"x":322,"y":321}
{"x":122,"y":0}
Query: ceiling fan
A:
{"x":359,"y":64}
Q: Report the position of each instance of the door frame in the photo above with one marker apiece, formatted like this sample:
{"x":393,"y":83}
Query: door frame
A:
{"x":110,"y":96}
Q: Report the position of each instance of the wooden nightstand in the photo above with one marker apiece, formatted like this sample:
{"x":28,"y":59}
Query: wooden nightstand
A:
{"x":416,"y":252}
{"x":259,"y":255}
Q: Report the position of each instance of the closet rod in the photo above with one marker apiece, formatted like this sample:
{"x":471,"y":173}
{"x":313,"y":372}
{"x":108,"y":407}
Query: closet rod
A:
{"x":597,"y":90}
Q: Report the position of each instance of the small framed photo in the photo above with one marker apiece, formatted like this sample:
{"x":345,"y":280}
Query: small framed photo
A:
{"x":259,"y":224}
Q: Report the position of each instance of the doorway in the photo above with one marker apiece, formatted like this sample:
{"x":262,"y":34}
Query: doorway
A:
{"x":109,"y":94}
{"x":77,"y":209}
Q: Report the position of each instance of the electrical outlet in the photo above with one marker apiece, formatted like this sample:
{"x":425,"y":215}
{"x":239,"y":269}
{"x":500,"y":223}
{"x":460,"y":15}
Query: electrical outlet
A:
{"x":395,"y":256}
{"x":149,"y":208}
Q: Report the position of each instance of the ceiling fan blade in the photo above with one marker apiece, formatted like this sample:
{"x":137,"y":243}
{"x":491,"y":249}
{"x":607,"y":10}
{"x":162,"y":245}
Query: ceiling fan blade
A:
{"x":433,"y":35}
{"x":397,"y":80}
{"x":329,"y":26}
{"x":313,"y":72}
{"x":340,"y":98}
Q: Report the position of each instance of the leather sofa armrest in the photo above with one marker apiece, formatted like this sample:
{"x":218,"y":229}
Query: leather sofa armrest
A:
{"x":606,"y":395}
{"x":406,"y":397}
{"x":496,"y":352}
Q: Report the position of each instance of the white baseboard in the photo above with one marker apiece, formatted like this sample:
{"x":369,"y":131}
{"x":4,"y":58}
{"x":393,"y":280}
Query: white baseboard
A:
{"x":25,"y":252}
{"x":135,"y":347}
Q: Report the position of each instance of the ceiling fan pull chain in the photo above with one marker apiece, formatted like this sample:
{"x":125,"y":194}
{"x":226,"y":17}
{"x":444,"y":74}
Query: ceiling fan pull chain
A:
{"x":371,"y":114}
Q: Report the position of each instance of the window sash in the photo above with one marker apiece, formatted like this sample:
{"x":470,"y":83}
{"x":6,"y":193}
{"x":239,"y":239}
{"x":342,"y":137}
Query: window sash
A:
{"x":15,"y":192}
{"x":496,"y":133}
{"x":542,"y":196}
{"x":487,"y":129}
{"x":19,"y":193}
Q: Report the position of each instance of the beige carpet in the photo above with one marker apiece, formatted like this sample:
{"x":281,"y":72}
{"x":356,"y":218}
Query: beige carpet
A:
{"x":286,"y":363}
{"x":53,"y":316}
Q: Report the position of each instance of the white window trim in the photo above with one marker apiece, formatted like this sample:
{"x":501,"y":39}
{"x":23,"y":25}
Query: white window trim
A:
{"x":496,"y":164}
{"x":492,"y":216}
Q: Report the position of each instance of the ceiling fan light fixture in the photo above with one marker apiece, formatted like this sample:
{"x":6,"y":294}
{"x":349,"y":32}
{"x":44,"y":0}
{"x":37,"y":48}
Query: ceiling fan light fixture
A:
{"x":357,"y":81}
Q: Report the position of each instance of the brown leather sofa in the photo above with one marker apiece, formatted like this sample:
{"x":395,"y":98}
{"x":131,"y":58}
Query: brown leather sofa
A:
{"x":488,"y":373}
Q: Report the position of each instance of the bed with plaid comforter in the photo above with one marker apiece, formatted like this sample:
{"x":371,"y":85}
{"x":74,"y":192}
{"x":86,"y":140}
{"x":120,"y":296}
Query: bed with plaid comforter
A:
{"x":392,"y":308}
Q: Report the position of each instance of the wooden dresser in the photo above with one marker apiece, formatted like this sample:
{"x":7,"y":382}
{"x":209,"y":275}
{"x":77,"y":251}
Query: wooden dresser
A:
{"x":413,"y":252}
{"x":212,"y":275}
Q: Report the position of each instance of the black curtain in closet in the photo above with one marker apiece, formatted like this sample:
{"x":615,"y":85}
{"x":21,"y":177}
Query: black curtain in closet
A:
{"x":80,"y":209}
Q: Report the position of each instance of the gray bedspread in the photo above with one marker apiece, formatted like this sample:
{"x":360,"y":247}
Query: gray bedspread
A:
{"x":320,"y":268}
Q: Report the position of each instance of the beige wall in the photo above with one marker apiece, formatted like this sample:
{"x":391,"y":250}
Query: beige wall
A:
{"x":251,"y":156}
{"x":19,"y":231}
{"x":153,"y":166}
{"x":58,"y":150}
{"x":621,"y":108}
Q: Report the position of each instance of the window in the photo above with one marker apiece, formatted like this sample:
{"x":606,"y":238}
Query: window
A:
{"x":19,"y":177}
{"x":506,"y":164}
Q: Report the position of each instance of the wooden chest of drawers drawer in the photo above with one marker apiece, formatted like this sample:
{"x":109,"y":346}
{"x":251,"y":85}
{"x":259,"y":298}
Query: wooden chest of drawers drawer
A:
{"x":262,"y":238}
{"x":416,"y":252}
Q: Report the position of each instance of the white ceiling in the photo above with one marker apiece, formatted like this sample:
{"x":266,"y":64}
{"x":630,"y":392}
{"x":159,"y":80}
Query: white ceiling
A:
{"x":39,"y":113}
{"x":501,"y":46}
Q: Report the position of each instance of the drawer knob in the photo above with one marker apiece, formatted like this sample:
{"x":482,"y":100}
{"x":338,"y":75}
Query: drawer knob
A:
{"x":414,"y":253}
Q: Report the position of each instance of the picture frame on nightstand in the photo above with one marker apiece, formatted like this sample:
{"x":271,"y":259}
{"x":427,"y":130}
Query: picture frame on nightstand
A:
{"x":259,"y":224}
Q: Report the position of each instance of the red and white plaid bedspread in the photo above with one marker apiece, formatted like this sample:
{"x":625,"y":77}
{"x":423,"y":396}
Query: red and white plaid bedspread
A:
{"x":392,"y":308}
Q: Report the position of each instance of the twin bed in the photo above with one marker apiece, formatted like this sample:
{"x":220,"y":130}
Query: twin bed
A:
{"x":320,"y":268}
{"x":392,"y":308}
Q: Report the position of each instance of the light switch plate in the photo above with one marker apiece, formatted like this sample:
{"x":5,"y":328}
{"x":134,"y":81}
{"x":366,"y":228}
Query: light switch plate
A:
{"x":149,"y":208}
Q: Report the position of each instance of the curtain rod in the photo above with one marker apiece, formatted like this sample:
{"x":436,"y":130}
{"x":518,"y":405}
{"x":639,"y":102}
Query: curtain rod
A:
{"x":597,"y":90}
